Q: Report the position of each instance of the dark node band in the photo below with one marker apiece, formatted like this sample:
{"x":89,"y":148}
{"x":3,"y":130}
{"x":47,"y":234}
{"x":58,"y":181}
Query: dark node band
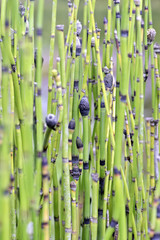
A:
{"x":46,"y":196}
{"x":129,"y":55}
{"x":39,"y":154}
{"x":56,"y":219}
{"x":158,"y":211}
{"x":133,"y":179}
{"x":86,"y":221}
{"x":136,"y":127}
{"x":113,"y":223}
{"x":128,"y":158}
{"x":76,"y":84}
{"x":44,"y":162}
{"x":146,"y":47}
{"x":12,"y":178}
{"x":127,"y":209}
{"x":44,"y":176}
{"x":17,"y":126}
{"x":101,"y":182}
{"x":113,"y":193}
{"x":102,"y":105}
{"x":118,"y":15}
{"x":39,"y":92}
{"x":85,"y":166}
{"x":116,"y":171}
{"x":102,"y":162}
{"x":123,"y":98}
{"x":124,"y":33}
{"x":39,"y":32}
{"x":4,"y":69}
{"x":44,"y":224}
{"x":100,"y":212}
{"x":53,"y":160}
{"x":117,"y":84}
{"x":13,"y":66}
{"x":6,"y":23}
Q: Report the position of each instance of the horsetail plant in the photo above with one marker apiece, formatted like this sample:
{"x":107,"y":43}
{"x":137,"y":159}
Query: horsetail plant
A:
{"x":91,"y":169}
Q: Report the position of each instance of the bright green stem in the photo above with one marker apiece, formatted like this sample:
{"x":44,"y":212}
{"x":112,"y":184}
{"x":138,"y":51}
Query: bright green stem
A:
{"x":65,"y":163}
{"x":86,"y":213}
{"x":51,"y":55}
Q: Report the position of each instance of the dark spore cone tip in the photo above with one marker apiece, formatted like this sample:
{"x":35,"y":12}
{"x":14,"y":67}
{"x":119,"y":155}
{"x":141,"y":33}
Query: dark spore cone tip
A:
{"x":78,"y":47}
{"x":51,"y":121}
{"x":71,"y":125}
{"x":108,"y":81}
{"x":84,"y":106}
{"x":79,"y":143}
{"x":60,"y":27}
{"x":151,"y":33}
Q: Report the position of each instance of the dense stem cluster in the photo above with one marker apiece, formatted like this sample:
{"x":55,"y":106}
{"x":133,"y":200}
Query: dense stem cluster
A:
{"x":91,"y":169}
